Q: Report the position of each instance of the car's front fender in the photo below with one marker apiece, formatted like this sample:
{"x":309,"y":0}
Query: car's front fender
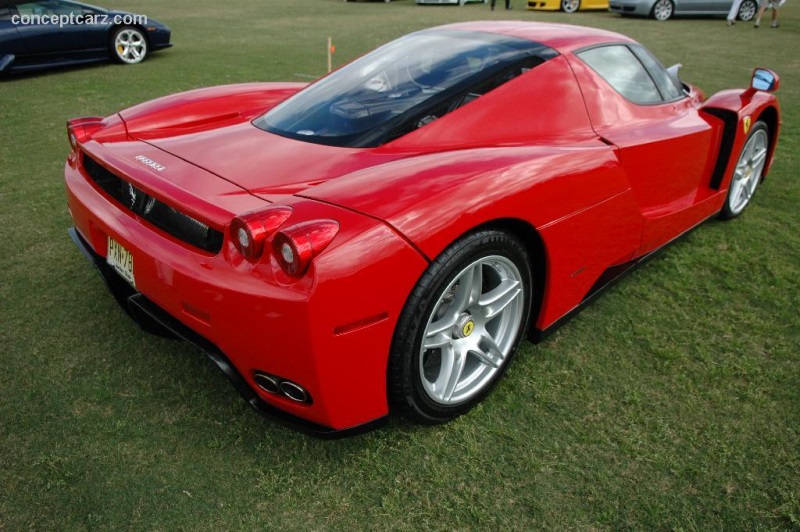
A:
{"x":739,"y":109}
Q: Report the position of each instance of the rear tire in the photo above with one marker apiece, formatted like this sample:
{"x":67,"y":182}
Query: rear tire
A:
{"x":460,"y":327}
{"x":570,"y":6}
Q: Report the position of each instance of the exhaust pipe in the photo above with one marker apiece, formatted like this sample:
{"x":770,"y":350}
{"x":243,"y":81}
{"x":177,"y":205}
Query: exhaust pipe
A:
{"x":294,"y":392}
{"x":277,"y":386}
{"x":268,"y":383}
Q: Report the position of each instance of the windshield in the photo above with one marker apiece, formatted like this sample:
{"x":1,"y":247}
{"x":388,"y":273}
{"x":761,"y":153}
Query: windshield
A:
{"x":363,"y":103}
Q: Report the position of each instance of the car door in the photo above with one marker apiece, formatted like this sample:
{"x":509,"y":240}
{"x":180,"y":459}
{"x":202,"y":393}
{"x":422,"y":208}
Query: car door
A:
{"x":702,"y":7}
{"x":663,"y":143}
{"x":55,"y":30}
{"x":688,"y":7}
{"x":11,"y":44}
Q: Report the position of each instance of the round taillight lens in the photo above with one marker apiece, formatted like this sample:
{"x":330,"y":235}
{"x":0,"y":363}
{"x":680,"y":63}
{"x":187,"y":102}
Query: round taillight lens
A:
{"x":296,"y":246}
{"x":287,"y":253}
{"x":250,"y":231}
{"x":244,"y":237}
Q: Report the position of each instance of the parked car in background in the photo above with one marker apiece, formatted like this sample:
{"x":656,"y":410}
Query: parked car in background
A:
{"x":53,"y":33}
{"x":567,"y":6}
{"x":666,"y":9}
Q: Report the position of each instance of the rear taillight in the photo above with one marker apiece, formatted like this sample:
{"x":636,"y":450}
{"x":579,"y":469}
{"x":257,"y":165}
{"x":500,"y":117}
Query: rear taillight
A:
{"x":78,"y":129}
{"x":251,"y":230}
{"x":296,"y":246}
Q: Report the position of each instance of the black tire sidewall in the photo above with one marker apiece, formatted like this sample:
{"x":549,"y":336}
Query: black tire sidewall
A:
{"x":405,"y":386}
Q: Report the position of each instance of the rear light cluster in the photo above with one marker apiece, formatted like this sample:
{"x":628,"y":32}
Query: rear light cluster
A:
{"x":251,"y":231}
{"x":294,"y":247}
{"x":78,"y":129}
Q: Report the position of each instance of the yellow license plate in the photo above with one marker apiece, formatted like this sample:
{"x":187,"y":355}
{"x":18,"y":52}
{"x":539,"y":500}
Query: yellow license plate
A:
{"x":121,"y":260}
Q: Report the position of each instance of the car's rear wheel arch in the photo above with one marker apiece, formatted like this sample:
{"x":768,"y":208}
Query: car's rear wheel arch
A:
{"x":438,"y":369}
{"x":494,"y":243}
{"x":535,"y":249}
{"x":537,"y":256}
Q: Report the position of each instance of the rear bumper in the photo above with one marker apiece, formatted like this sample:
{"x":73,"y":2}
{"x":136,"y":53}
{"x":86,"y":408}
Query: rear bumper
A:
{"x":151,"y":318}
{"x":329,"y":332}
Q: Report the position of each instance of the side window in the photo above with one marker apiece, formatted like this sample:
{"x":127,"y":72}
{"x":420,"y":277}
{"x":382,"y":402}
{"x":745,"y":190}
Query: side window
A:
{"x":623,"y":71}
{"x":48,"y":8}
{"x":63,"y":8}
{"x":669,"y":87}
{"x":462,"y":98}
{"x":33,"y":8}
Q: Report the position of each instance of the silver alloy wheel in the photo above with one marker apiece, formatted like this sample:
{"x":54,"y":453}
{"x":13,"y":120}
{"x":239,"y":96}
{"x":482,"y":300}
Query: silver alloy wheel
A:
{"x":570,"y":6}
{"x":130,"y":45}
{"x":747,"y":10}
{"x":472,"y":330}
{"x":662,"y":10}
{"x":749,"y":169}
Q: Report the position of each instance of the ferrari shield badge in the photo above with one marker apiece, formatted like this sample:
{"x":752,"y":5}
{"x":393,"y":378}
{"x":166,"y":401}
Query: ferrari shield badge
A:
{"x":746,"y":124}
{"x":468,"y":328}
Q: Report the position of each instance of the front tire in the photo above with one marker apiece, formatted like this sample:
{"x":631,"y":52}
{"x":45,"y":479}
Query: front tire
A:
{"x":460,"y":327}
{"x":748,"y":172}
{"x":663,"y":10}
{"x":570,"y":6}
{"x":129,"y":45}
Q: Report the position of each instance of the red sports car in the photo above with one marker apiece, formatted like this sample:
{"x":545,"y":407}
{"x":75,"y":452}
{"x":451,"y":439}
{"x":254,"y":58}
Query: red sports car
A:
{"x":384,"y":238}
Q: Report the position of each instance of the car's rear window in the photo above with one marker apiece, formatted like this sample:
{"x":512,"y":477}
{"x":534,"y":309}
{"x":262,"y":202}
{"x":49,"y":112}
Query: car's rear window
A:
{"x":402,"y":86}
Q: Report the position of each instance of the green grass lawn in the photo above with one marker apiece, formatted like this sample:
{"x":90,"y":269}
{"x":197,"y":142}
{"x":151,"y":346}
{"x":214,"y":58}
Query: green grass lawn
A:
{"x":670,"y":403}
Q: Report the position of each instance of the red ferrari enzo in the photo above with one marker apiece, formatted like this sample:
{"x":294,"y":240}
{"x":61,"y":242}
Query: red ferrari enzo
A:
{"x":384,"y":238}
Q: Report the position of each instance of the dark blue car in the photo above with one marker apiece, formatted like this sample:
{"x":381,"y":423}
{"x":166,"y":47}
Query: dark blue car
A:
{"x":51,"y":33}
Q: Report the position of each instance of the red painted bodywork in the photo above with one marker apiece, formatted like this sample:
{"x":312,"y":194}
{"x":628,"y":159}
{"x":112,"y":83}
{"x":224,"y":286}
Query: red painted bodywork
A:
{"x":599,"y":180}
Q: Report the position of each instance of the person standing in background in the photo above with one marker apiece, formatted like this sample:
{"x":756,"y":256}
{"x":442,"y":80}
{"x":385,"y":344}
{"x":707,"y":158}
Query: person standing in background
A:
{"x":733,"y":12}
{"x":774,"y":4}
{"x":508,"y":4}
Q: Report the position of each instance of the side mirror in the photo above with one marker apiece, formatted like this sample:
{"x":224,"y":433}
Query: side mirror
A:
{"x":764,"y":80}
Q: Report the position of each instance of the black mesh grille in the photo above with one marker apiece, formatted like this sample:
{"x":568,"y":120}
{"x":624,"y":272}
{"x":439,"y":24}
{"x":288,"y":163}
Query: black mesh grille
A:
{"x":163,"y":216}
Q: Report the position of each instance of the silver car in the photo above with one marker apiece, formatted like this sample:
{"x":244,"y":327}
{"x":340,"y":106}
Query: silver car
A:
{"x":666,"y":9}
